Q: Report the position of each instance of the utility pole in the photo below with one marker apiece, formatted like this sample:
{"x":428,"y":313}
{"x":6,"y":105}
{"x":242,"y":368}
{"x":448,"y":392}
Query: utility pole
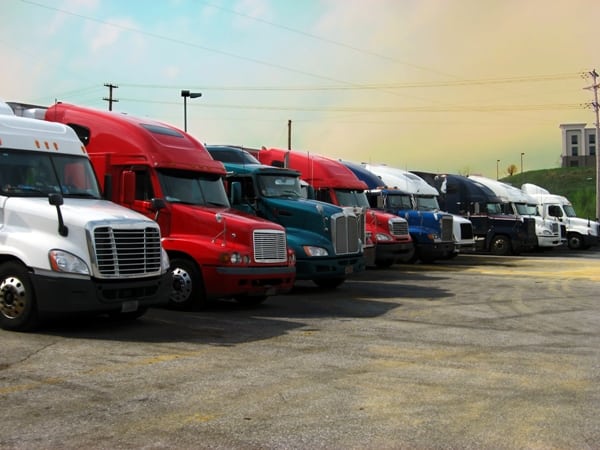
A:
{"x":110,"y":98}
{"x":596,"y":107}
{"x":286,"y":159}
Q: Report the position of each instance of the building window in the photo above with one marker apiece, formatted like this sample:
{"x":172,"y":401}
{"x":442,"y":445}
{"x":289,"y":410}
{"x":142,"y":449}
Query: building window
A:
{"x":574,"y":145}
{"x":592,"y":144}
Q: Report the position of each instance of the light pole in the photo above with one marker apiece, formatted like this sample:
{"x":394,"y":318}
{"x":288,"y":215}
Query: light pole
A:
{"x":522,"y":162}
{"x":185,"y":95}
{"x":497,"y":169}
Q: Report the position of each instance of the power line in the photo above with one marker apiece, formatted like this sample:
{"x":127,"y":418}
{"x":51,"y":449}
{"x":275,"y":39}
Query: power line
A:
{"x":362,"y":109}
{"x":377,"y":86}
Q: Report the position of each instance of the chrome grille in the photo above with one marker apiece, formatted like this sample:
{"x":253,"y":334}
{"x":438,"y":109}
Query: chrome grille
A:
{"x":346,"y":233}
{"x":127,"y":252}
{"x":269,"y":246}
{"x":398,"y":227}
{"x":555,"y":227}
{"x":446,"y":228}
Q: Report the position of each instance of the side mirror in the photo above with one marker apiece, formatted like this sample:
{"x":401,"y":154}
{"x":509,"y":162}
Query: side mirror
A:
{"x":56,"y":200}
{"x":157,"y":204}
{"x":235,"y":192}
{"x":108,"y":187}
{"x":128,"y":187}
{"x":310,"y":192}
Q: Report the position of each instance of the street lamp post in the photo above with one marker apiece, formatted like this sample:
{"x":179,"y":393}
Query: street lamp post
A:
{"x":185,"y":95}
{"x":522,"y":162}
{"x":497,"y":169}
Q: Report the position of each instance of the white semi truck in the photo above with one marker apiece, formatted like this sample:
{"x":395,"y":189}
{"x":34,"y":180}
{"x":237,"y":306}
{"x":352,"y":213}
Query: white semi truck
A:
{"x":519,"y":203}
{"x":581,"y":233}
{"x":63,"y":249}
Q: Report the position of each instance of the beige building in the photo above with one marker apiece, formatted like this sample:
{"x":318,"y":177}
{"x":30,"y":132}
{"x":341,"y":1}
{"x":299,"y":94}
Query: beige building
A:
{"x":578,"y":145}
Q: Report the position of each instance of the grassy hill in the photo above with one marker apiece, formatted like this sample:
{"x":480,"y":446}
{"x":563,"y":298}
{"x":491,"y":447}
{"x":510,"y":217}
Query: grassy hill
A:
{"x":578,"y":184}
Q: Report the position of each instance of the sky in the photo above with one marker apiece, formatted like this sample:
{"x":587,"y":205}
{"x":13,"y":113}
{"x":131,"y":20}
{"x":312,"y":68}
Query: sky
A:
{"x":454,"y":86}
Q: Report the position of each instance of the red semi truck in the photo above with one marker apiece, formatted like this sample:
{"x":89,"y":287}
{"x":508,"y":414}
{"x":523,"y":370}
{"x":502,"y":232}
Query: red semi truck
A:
{"x":335,"y":183}
{"x":166,"y":174}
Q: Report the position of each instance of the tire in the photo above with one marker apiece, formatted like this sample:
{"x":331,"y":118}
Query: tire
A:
{"x":500,"y":246}
{"x":329,"y":283}
{"x":250,"y":301}
{"x":18,"y":306}
{"x":188,"y":291}
{"x":575,"y":241}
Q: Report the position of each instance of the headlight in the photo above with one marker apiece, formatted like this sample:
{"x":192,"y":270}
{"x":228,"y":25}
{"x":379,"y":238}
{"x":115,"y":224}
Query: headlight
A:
{"x":233,"y":258}
{"x":383,"y":237}
{"x":432,"y":236}
{"x":315,"y":251}
{"x":61,"y":261}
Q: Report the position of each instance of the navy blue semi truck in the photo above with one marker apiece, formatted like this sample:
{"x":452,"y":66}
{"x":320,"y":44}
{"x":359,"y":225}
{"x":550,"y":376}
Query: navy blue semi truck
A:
{"x":328,"y":240}
{"x":431,"y":231}
{"x":495,"y":232}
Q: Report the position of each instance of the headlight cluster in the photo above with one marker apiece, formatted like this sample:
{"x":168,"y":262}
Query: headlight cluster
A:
{"x":62,"y":261}
{"x":315,"y":251}
{"x":234,"y":258}
{"x":383,"y":237}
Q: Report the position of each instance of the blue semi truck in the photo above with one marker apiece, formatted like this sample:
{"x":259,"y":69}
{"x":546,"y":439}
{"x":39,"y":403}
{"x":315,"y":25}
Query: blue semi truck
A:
{"x":431,"y":231}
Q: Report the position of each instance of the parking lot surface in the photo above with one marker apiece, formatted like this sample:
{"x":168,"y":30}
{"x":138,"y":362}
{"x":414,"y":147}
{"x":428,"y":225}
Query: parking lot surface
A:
{"x":478,"y":352}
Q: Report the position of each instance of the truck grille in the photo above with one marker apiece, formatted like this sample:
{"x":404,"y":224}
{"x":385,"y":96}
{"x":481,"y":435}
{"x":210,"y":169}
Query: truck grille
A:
{"x":555,"y":228}
{"x":348,"y":231}
{"x":270,"y":246}
{"x":398,"y":227}
{"x":446,"y":228}
{"x":466,"y":231}
{"x":127,"y":251}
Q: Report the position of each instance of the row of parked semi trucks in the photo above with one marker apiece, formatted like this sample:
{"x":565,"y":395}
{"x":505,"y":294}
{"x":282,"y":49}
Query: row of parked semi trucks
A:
{"x":104,"y":212}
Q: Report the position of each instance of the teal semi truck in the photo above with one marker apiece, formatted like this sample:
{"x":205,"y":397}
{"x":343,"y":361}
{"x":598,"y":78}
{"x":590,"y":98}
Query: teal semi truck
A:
{"x":328,"y":240}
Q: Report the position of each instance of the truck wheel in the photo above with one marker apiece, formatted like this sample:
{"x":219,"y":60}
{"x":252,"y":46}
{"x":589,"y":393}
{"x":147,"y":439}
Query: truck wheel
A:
{"x":329,"y":283}
{"x":18,"y":308}
{"x":575,"y":241}
{"x":500,"y":246}
{"x":188,"y":288}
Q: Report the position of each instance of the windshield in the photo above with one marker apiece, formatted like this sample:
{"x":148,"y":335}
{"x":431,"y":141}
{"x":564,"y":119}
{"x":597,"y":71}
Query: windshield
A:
{"x":493,"y":208}
{"x":398,"y":201}
{"x":279,"y":186}
{"x":36,"y":174}
{"x":523,"y":209}
{"x":352,"y":198}
{"x":569,"y":211}
{"x":192,"y":188}
{"x":427,"y":203}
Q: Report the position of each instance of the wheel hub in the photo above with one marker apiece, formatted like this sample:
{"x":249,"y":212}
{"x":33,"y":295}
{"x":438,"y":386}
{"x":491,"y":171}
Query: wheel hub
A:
{"x":12,"y":297}
{"x":182,"y":286}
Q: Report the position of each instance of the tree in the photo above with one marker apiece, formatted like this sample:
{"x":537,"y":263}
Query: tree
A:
{"x":511,"y":170}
